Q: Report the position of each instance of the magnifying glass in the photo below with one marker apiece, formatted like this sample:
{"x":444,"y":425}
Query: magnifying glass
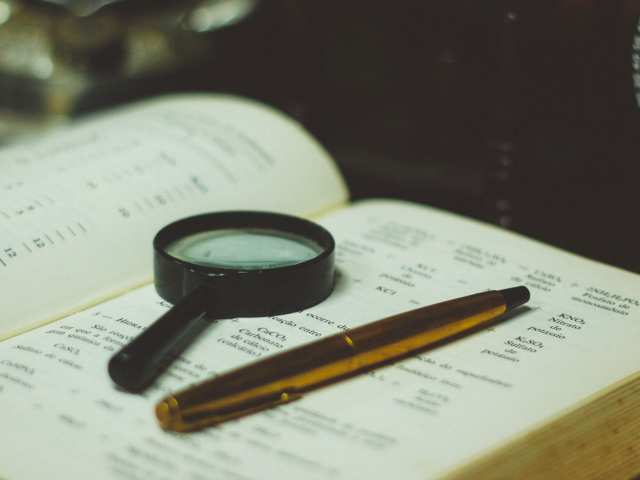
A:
{"x":226,"y":265}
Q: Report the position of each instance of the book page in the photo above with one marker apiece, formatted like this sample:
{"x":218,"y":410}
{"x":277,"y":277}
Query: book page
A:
{"x":64,"y":419}
{"x":79,"y":209}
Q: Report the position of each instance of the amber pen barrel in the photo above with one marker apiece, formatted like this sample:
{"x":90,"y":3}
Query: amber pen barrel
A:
{"x":286,"y":376}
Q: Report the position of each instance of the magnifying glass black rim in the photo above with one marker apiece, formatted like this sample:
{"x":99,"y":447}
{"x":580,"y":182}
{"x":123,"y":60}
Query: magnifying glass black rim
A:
{"x":243,"y":220}
{"x":247,"y":293}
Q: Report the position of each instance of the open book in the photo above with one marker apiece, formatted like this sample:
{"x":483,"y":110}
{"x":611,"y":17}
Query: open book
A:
{"x":551,"y":392}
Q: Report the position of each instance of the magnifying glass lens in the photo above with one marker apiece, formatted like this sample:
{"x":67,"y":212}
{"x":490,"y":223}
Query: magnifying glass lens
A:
{"x":250,"y":249}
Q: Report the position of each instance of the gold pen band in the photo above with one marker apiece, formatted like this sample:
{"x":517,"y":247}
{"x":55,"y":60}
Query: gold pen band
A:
{"x":285,"y":376}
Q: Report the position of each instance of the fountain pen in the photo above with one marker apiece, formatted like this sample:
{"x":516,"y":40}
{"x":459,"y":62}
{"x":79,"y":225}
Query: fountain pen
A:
{"x":285,"y":376}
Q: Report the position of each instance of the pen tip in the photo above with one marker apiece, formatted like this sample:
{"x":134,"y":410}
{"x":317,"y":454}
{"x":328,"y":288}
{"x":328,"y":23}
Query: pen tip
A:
{"x":514,"y":297}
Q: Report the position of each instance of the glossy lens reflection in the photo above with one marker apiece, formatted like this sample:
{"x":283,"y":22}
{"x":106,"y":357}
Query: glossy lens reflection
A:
{"x":244,"y":249}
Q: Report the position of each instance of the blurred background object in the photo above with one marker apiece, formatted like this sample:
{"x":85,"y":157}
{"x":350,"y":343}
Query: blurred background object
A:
{"x":63,"y":58}
{"x":523,"y":113}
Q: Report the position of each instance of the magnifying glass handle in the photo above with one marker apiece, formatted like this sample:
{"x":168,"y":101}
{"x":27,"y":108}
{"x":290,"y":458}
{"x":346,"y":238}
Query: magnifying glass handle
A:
{"x":141,"y":360}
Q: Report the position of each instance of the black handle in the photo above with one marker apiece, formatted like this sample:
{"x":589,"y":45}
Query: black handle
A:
{"x":140,"y":361}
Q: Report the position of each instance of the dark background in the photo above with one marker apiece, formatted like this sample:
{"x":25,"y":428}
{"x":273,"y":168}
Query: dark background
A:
{"x":520,"y":113}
